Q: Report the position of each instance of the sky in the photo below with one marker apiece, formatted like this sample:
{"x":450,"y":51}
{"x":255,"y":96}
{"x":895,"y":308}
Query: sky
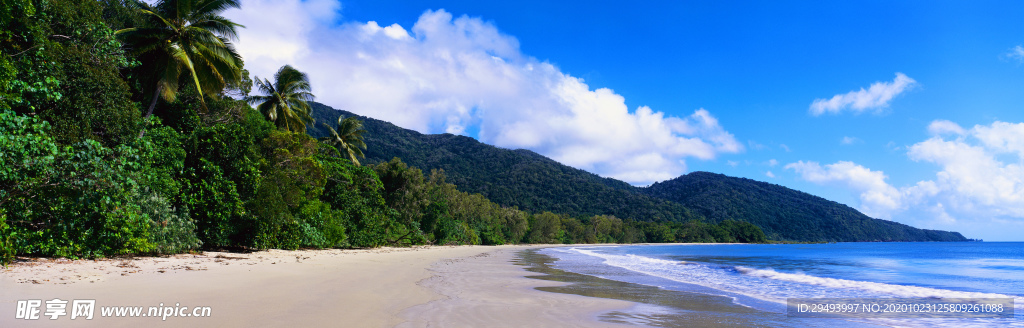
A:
{"x":908,"y":111}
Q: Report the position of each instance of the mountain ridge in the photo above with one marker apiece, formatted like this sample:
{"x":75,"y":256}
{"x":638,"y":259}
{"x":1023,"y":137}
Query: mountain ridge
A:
{"x":529,"y":181}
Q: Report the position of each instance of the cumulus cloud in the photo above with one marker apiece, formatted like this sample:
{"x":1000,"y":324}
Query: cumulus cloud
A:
{"x":972,"y":178}
{"x":1002,"y":137}
{"x":849,"y":140}
{"x":458,"y":74}
{"x":877,"y":197}
{"x":769,"y":174}
{"x":876,"y":97}
{"x":973,"y":186}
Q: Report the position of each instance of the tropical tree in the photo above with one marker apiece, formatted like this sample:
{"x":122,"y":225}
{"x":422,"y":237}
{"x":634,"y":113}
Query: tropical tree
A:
{"x":348,"y":138}
{"x":286,"y":101}
{"x":185,"y":38}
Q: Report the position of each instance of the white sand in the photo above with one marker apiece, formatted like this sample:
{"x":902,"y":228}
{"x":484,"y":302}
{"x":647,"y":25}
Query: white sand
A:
{"x":466,"y":286}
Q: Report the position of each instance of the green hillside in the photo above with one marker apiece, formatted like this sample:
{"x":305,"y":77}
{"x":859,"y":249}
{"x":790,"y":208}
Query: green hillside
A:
{"x":783,"y":213}
{"x":519,"y":178}
{"x":536,"y":183}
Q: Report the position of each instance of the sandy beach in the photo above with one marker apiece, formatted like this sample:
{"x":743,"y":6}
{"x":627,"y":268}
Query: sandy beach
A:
{"x":463,"y":286}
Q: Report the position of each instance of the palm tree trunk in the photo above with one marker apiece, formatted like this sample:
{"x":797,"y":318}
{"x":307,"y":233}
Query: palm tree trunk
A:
{"x":156,"y":95}
{"x":152,"y":105}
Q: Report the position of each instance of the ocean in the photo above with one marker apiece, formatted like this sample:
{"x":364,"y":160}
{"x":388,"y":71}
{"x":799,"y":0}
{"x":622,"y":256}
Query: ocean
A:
{"x":761,"y":277}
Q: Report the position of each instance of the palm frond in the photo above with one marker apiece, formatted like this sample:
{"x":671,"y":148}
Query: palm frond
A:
{"x":286,"y":100}
{"x":209,"y":7}
{"x":193,"y":36}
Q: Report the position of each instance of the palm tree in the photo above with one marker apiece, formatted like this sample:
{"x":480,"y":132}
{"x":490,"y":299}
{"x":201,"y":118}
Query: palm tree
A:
{"x":348,"y":138}
{"x":286,"y":101}
{"x":186,"y":37}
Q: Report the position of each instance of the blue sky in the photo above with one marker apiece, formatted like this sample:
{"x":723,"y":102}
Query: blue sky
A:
{"x":645,"y":91}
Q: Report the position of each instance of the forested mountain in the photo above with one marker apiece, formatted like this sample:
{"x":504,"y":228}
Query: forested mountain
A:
{"x":519,"y":178}
{"x":535,"y":183}
{"x":783,"y":213}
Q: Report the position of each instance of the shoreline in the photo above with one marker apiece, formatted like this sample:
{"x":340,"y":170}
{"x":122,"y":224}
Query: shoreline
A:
{"x":383,"y":287}
{"x":493,"y":290}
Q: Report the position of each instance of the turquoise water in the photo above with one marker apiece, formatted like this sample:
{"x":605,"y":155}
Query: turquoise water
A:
{"x":764,"y":276}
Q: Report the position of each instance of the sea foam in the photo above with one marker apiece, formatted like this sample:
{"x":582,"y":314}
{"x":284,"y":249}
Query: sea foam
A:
{"x":768,"y":284}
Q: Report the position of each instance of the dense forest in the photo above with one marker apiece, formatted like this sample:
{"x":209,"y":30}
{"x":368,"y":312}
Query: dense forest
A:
{"x":518,"y":178}
{"x":134,"y":128}
{"x":535,"y":183}
{"x":783,"y":213}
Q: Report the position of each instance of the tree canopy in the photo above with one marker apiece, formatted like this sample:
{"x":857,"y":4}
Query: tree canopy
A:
{"x":348,"y":138}
{"x":285,"y":101}
{"x":185,"y":38}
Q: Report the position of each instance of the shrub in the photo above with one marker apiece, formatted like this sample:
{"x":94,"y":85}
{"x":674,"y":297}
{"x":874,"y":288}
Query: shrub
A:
{"x":72,"y":201}
{"x":452,"y":232}
{"x":325,"y":226}
{"x":214,"y":203}
{"x":170,"y":230}
{"x":358,"y":194}
{"x":7,"y":250}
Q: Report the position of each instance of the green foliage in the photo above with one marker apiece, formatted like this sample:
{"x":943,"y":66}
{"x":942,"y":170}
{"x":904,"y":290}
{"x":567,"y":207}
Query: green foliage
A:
{"x":596,"y":229}
{"x":511,"y":178}
{"x":163,"y":158}
{"x":74,"y":201}
{"x":221,"y":175}
{"x":215,"y":205}
{"x":429,"y":204}
{"x":171,"y":231}
{"x":286,"y":101}
{"x":62,"y":64}
{"x":7,"y":250}
{"x":185,"y":38}
{"x":348,"y":138}
{"x":545,"y":228}
{"x":292,"y":176}
{"x":29,"y":158}
{"x":357,"y":192}
{"x":451,"y":232}
{"x":743,"y":232}
{"x":97,"y":192}
{"x":405,"y":190}
{"x":326,"y":226}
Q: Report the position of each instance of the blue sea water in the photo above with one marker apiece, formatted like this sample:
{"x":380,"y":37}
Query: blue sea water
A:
{"x":764,"y":276}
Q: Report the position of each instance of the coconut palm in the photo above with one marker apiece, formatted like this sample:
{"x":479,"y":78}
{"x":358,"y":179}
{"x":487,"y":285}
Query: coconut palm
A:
{"x":348,"y":138}
{"x":185,"y":38}
{"x":286,"y":101}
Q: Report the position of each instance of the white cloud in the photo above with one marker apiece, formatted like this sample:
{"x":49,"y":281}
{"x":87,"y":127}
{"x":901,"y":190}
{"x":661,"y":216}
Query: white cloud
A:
{"x":732,"y":163}
{"x":972,"y":188}
{"x":849,"y":140}
{"x":769,"y":174}
{"x":972,"y":180}
{"x":1016,"y":53}
{"x":448,"y":74}
{"x":278,"y":30}
{"x":772,"y":162}
{"x":784,"y":147}
{"x":878,"y":198}
{"x":943,"y":127}
{"x":876,"y":97}
{"x":1002,"y":137}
